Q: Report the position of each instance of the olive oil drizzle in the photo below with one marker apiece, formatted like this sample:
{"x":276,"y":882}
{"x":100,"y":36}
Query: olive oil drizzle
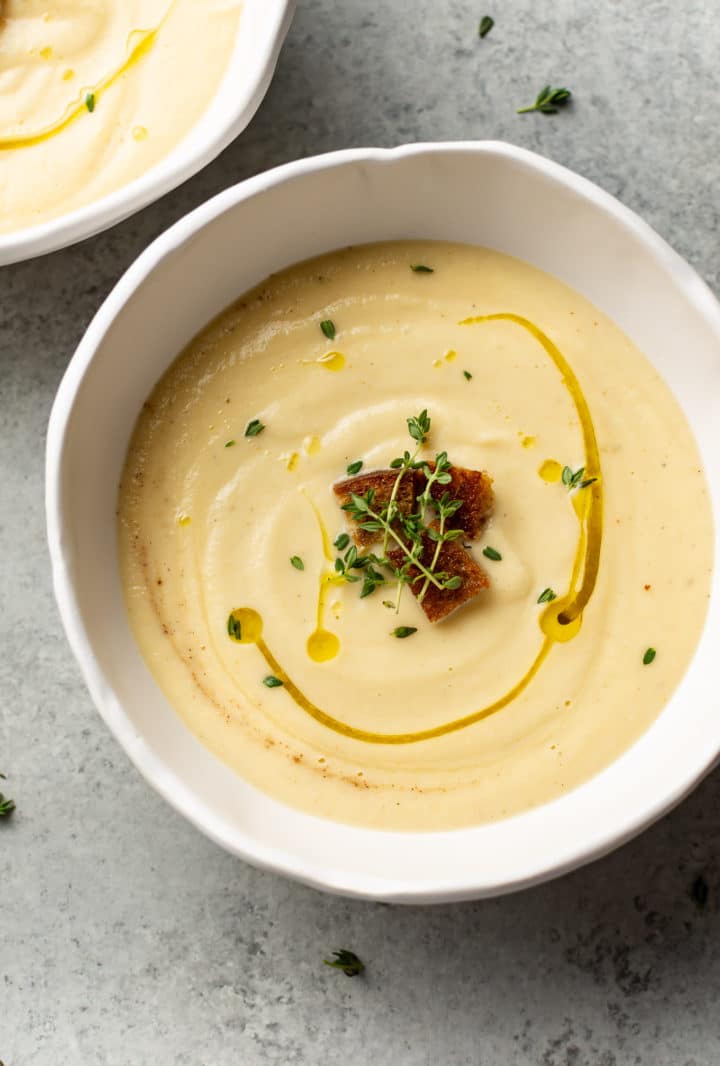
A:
{"x":568,"y":610}
{"x":139,"y":43}
{"x":559,"y":622}
{"x":322,"y":645}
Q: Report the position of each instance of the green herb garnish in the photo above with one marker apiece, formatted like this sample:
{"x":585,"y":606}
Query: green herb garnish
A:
{"x":341,"y":541}
{"x":410,"y":533}
{"x":90,"y":101}
{"x":547,"y":596}
{"x":492,"y":553}
{"x":234,"y":627}
{"x":7,"y":806}
{"x":229,"y":443}
{"x":420,"y":268}
{"x":297,"y":562}
{"x":486,"y":24}
{"x":403,"y":631}
{"x":388,"y":603}
{"x":347,"y":961}
{"x":347,"y":564}
{"x":355,"y":468}
{"x":548,"y":101}
{"x":328,"y":328}
{"x":253,"y":428}
{"x":649,"y":656}
{"x":271,"y":681}
{"x":467,"y":375}
{"x":588,"y":481}
{"x":575,"y":480}
{"x":418,"y":428}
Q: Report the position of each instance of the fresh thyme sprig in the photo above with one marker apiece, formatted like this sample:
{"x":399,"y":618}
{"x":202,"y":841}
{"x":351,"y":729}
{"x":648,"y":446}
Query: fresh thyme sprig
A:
{"x":548,"y":101}
{"x":446,"y":507}
{"x":408,"y":532}
{"x":345,"y":565}
{"x":576,"y":479}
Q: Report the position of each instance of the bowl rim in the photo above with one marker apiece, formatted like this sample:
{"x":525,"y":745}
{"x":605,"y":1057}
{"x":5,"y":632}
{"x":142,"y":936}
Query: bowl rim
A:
{"x":155,"y":771}
{"x":198,"y":147}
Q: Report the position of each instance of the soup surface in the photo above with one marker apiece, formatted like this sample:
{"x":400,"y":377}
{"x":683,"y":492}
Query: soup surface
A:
{"x":598,"y":550}
{"x":94,"y":94}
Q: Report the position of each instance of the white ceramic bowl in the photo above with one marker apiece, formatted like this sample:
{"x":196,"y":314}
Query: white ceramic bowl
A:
{"x":261,"y":31}
{"x":488,"y":193}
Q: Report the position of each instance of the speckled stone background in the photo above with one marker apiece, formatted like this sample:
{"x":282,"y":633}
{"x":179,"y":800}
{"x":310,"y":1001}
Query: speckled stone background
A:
{"x":128,"y":939}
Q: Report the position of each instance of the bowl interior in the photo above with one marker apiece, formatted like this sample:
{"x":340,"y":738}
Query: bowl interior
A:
{"x":486,"y":194}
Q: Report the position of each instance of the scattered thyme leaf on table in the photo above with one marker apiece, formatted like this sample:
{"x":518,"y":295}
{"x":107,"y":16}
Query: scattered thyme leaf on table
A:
{"x":486,"y":24}
{"x":548,"y":101}
{"x":347,"y":961}
{"x":7,"y":806}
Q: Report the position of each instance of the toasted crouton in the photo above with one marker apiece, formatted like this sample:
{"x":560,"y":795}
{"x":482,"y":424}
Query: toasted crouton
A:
{"x":454,"y":560}
{"x":381,"y":482}
{"x":474,"y":488}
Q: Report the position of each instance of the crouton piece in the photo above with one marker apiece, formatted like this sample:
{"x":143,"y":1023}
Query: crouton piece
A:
{"x":381,"y":482}
{"x":453,"y":559}
{"x":474,"y":488}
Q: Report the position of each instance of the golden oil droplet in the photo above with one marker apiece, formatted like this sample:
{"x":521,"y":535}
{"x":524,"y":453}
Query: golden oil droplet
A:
{"x":292,"y":461}
{"x":550,"y":470}
{"x":322,"y":645}
{"x":312,"y":445}
{"x":528,"y":442}
{"x":332,"y":361}
{"x":68,"y":74}
{"x":46,"y":52}
{"x":560,"y":621}
{"x":184,"y":520}
{"x":438,"y":363}
{"x":139,"y":133}
{"x":250,"y":624}
{"x":450,"y":356}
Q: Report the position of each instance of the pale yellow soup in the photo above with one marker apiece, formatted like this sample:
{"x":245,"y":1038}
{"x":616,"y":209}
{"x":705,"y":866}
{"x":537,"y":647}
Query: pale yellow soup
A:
{"x":499,"y":707}
{"x":93,"y":94}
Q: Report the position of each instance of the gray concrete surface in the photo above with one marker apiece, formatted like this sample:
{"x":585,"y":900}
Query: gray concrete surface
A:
{"x":128,"y":939}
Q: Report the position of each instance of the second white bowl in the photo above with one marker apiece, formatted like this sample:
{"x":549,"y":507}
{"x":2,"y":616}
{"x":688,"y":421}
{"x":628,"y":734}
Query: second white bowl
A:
{"x":261,"y":31}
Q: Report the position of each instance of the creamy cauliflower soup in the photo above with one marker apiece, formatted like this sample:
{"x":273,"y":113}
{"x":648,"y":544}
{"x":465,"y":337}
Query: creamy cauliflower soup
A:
{"x":406,"y":535}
